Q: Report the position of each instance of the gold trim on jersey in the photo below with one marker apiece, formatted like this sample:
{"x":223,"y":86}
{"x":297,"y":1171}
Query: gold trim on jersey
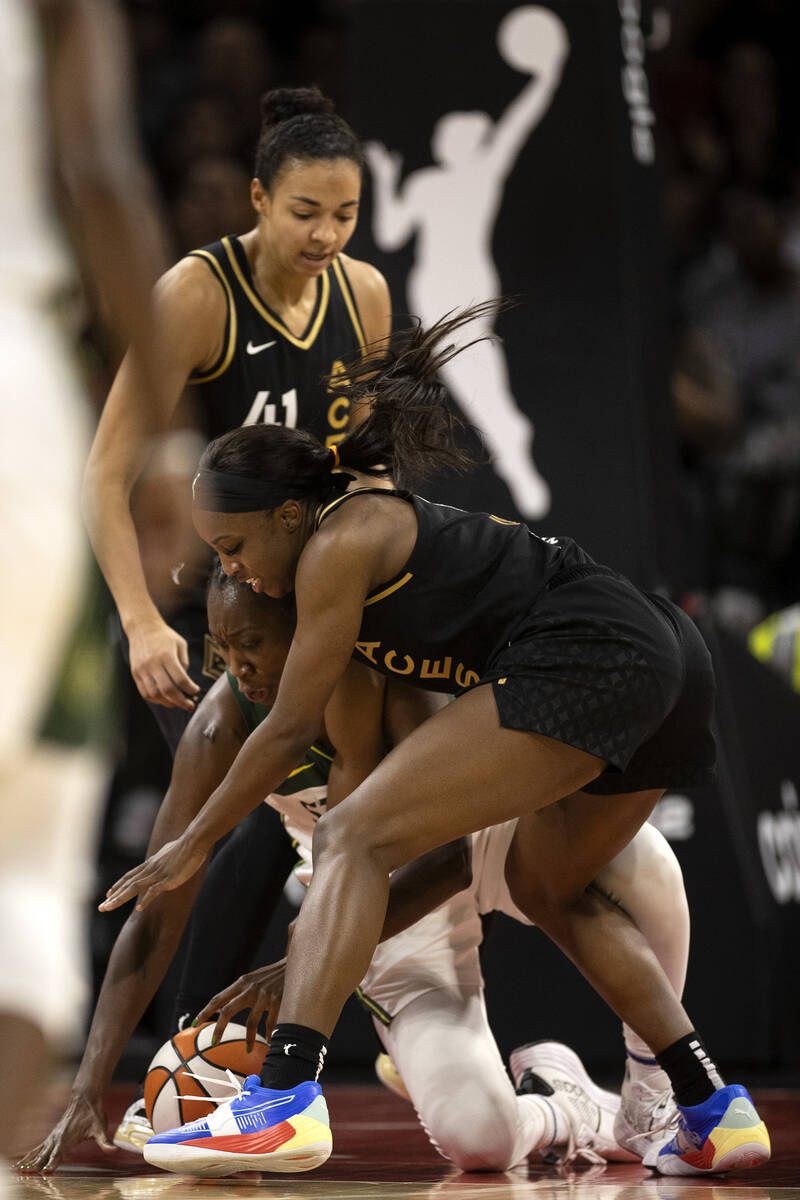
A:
{"x":373,"y":1007}
{"x":387,"y":591}
{"x":270,"y":318}
{"x":306,"y":766}
{"x":232,"y":325}
{"x":350,"y":300}
{"x":322,"y":513}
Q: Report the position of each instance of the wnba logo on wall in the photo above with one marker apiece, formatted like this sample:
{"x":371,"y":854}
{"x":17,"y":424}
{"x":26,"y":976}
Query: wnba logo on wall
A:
{"x":779,"y":844}
{"x":473,"y":155}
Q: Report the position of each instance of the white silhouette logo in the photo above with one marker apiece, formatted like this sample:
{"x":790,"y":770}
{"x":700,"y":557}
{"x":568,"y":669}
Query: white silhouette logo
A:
{"x":251,"y":349}
{"x":452,"y":207}
{"x":779,"y":844}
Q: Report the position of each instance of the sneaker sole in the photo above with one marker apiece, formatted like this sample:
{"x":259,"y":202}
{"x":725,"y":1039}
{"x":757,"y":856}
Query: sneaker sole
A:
{"x":738,"y":1150}
{"x":562,"y":1058}
{"x":131,"y":1142}
{"x":193,"y":1160}
{"x":388,"y":1074}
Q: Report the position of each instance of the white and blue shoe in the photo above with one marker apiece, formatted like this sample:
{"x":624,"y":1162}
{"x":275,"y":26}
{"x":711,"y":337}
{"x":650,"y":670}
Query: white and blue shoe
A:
{"x":260,"y":1129}
{"x":724,"y":1133}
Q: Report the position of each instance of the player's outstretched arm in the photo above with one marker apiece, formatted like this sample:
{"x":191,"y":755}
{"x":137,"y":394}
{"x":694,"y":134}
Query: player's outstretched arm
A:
{"x":259,"y":991}
{"x":147,"y":941}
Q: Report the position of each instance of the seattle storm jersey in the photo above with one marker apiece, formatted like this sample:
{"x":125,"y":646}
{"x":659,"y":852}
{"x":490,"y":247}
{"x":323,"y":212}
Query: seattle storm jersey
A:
{"x":469,"y":583}
{"x":302,"y":796}
{"x":265,"y":372}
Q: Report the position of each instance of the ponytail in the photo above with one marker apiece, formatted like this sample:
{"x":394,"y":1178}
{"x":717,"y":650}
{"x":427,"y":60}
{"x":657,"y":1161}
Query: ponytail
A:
{"x":410,"y":430}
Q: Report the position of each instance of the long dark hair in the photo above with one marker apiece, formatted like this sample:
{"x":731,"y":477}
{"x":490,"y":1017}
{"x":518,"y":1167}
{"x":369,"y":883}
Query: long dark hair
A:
{"x":409,"y":431}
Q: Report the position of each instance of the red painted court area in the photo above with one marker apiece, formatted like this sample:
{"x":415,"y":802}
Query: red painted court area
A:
{"x":380,"y":1151}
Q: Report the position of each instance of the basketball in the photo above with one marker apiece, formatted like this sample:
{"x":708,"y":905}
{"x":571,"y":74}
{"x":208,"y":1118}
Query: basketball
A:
{"x":187,"y":1074}
{"x":531,"y":38}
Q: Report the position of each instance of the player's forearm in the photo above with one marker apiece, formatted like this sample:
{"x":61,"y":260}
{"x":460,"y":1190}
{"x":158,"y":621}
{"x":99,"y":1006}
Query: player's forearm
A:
{"x":116,"y":546}
{"x":143,"y":951}
{"x":422,"y":885}
{"x":265,"y":760}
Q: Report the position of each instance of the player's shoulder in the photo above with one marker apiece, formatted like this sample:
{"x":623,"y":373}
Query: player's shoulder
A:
{"x":363,"y":275}
{"x":371,"y":293}
{"x":365,"y":279}
{"x":189,"y":286}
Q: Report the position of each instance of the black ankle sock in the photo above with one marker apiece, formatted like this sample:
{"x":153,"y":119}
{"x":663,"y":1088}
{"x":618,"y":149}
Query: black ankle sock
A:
{"x":296,"y":1054}
{"x":692,"y":1074}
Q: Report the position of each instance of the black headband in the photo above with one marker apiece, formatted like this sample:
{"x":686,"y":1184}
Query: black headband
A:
{"x":217,"y":491}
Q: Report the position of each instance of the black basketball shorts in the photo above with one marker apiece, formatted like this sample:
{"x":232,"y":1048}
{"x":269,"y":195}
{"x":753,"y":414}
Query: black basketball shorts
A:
{"x":617,"y":672}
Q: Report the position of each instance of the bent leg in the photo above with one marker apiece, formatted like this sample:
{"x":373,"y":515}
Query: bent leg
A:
{"x":448,"y":1059}
{"x":459,"y":772}
{"x":646,"y":881}
{"x":556,"y":854}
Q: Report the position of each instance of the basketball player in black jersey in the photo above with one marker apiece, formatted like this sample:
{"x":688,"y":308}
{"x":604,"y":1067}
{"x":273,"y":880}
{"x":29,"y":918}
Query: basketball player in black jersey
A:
{"x":581,"y":699}
{"x":252,"y":324}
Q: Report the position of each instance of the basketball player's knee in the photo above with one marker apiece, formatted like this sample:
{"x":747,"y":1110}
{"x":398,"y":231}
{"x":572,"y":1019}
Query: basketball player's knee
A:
{"x":345,"y":830}
{"x":475,"y":1133}
{"x":545,"y":898}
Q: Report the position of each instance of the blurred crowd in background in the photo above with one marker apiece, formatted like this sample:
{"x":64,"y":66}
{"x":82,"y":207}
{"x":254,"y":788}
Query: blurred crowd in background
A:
{"x":725,"y":89}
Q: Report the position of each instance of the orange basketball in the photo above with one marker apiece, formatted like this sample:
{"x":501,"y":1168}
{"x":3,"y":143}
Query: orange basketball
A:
{"x":188,"y":1073}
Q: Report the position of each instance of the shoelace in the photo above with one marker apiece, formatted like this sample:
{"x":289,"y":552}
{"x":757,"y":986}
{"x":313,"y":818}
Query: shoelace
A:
{"x":670,"y":1125}
{"x":232,"y":1082}
{"x":575,"y":1149}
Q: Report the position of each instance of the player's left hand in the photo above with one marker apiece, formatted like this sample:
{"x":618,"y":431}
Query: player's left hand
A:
{"x":260,"y":991}
{"x":164,"y":871}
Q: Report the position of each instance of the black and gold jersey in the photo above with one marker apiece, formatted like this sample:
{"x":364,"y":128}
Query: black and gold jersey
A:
{"x":469,"y":583}
{"x":265,"y":373}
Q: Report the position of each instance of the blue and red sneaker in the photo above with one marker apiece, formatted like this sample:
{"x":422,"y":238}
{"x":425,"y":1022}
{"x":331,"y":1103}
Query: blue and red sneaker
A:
{"x":259,"y":1130}
{"x":724,"y":1133}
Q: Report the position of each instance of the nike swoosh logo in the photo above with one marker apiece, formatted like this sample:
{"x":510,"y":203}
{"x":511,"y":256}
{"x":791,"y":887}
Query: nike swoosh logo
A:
{"x":251,"y":349}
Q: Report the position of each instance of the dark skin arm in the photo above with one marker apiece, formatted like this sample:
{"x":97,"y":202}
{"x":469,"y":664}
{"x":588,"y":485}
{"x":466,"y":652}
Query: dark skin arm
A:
{"x":148,"y":940}
{"x":353,"y":723}
{"x":336,"y":570}
{"x":416,"y":889}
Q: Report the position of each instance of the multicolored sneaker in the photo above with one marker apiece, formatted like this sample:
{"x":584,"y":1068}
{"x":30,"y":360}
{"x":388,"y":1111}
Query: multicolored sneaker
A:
{"x":390,"y":1077}
{"x":134,"y":1129}
{"x":724,"y":1133}
{"x":261,"y":1129}
{"x":553,"y":1070}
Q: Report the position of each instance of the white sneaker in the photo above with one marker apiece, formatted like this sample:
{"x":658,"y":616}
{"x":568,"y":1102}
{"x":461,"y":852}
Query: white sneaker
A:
{"x":390,"y":1077}
{"x":648,"y":1114}
{"x":134,"y":1128}
{"x":552,"y":1070}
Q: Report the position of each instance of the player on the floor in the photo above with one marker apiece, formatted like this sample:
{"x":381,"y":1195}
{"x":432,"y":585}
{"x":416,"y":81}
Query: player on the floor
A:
{"x":259,"y":635}
{"x":429,"y":978}
{"x":424,"y":988}
{"x":582,"y":699}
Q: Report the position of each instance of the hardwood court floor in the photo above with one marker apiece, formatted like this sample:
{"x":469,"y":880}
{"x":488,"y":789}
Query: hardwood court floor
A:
{"x":381,"y":1153}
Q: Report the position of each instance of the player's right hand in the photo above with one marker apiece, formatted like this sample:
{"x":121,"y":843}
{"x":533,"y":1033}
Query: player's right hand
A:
{"x":260,"y":991}
{"x":159,"y":665}
{"x":81,"y":1120}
